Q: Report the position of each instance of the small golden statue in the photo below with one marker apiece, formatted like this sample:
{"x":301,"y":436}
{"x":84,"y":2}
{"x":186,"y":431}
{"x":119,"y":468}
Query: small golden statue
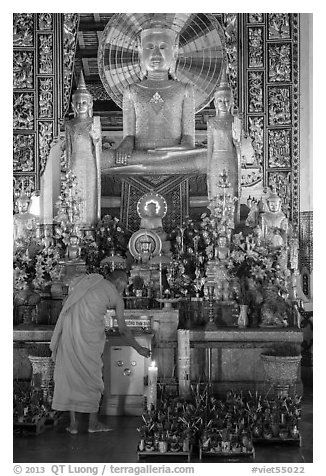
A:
{"x":158,"y":115}
{"x":222,"y":251}
{"x":47,"y":240}
{"x":152,"y":208}
{"x":23,"y":221}
{"x":83,"y":139}
{"x":273,"y":223}
{"x":73,"y":251}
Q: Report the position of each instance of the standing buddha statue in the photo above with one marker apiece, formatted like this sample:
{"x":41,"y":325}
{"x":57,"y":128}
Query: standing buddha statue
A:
{"x":83,"y":135}
{"x":158,"y":115}
{"x":223,"y":143}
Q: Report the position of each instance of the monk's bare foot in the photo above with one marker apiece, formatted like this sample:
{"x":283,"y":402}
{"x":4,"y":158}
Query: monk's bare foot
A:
{"x":72,"y":430}
{"x":96,"y":427}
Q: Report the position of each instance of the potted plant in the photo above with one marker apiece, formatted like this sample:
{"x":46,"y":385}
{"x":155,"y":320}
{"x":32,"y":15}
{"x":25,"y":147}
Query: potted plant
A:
{"x":39,"y":355}
{"x":253,"y":267}
{"x":281,"y":364}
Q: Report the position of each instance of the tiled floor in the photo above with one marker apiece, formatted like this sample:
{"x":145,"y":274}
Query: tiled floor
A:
{"x":119,"y":446}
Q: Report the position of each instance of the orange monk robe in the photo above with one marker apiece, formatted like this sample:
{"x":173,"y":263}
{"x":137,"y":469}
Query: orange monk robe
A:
{"x":77,"y":345}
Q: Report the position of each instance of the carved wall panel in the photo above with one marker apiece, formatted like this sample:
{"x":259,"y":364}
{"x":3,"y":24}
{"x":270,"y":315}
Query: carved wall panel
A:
{"x":256,"y":48}
{"x":255,"y":17}
{"x":45,"y":98}
{"x":23,"y":29}
{"x":38,"y":63}
{"x":45,"y":54}
{"x":271,"y":100}
{"x":23,"y":111}
{"x":256,"y":91}
{"x":230,"y":26}
{"x":279,"y":62}
{"x":279,"y":148}
{"x":23,"y":69}
{"x":279,"y":106}
{"x":26,"y":181}
{"x":256,"y":132}
{"x":45,"y":137}
{"x":278,"y":26}
{"x":45,"y":21}
{"x":24,"y":153}
{"x":70,"y":30}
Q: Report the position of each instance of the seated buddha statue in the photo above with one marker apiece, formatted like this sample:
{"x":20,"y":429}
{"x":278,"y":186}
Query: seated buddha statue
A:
{"x":47,"y":240}
{"x":158,"y":115}
{"x":273,"y":223}
{"x":151,"y":209}
{"x":24,"y":222}
{"x":222,"y":250}
{"x":73,"y":251}
{"x":152,"y":220}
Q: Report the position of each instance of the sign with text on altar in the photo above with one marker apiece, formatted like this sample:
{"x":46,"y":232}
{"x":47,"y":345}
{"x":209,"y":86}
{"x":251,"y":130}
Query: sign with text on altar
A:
{"x":142,"y":322}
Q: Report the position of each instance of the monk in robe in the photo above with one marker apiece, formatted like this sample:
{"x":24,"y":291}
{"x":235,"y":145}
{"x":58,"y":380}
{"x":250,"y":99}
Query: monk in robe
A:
{"x":78,"y":342}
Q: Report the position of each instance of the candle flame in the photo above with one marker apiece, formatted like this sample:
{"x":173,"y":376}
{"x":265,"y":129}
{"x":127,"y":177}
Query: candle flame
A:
{"x":153,"y":364}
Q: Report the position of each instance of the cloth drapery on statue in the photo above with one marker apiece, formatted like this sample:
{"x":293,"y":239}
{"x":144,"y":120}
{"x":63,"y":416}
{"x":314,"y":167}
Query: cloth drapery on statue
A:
{"x":77,"y":345}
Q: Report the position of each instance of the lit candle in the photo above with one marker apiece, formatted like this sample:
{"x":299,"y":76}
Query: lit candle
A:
{"x":152,"y":385}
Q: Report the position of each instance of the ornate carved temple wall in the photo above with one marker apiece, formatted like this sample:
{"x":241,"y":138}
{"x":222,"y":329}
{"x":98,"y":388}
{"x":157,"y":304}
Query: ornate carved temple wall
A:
{"x":44,"y":48}
{"x":265,"y":72}
{"x":270,"y":99}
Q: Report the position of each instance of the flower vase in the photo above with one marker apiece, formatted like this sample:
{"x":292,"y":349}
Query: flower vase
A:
{"x":243,"y":315}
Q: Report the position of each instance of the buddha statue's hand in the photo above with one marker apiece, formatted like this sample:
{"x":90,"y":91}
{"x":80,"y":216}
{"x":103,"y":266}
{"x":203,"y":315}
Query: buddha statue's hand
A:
{"x":124,"y":151}
{"x":95,"y":133}
{"x":237,"y":130}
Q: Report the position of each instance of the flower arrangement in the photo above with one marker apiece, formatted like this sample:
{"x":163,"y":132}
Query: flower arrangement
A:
{"x":111,"y":235}
{"x":258,"y":271}
{"x":29,"y":405}
{"x":67,"y":219}
{"x":187,"y":266}
{"x":47,"y":267}
{"x":221,"y":218}
{"x":34,"y":264}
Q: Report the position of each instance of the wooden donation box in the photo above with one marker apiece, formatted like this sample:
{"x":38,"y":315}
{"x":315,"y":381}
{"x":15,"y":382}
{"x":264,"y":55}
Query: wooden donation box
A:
{"x":125,"y":370}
